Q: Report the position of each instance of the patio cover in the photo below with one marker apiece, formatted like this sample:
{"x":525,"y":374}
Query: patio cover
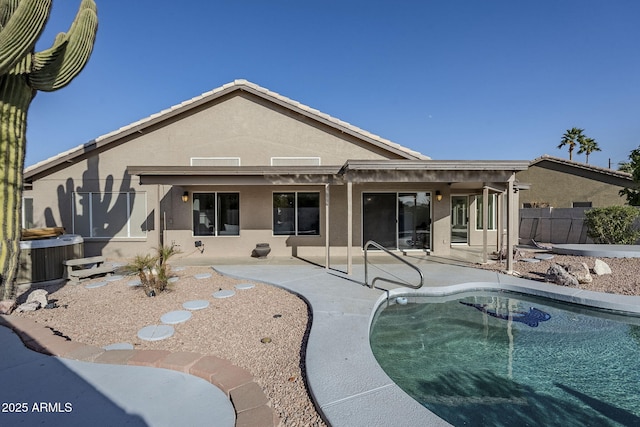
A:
{"x":497,"y":176}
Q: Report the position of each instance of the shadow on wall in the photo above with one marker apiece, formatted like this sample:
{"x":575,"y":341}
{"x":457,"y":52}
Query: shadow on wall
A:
{"x":93,"y":212}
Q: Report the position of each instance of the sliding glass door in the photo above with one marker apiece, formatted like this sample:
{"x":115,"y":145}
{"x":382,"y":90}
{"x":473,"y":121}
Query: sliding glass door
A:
{"x":379,"y":219}
{"x":397,"y":220}
{"x":459,"y":219}
{"x":414,"y":220}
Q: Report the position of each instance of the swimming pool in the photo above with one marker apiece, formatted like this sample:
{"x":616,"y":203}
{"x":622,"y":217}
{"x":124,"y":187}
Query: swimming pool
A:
{"x":503,"y":359}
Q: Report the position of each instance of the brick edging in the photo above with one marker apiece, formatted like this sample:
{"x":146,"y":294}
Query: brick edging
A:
{"x":251,"y":405}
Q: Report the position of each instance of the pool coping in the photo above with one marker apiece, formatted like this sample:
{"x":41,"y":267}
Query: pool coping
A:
{"x":347,"y":385}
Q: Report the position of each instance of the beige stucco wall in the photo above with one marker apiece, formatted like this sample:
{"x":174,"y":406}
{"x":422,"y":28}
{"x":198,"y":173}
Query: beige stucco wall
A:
{"x":560,"y":186}
{"x":254,"y":130}
{"x":242,"y":126}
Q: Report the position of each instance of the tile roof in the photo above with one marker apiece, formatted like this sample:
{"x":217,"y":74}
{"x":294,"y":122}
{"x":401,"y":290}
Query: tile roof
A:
{"x":579,"y":165}
{"x":243,"y":85}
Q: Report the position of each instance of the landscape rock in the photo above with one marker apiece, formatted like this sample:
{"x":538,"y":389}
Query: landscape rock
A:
{"x":580,"y":271}
{"x":558,"y":275}
{"x":502,"y":254}
{"x":28,"y":306}
{"x":39,"y":296}
{"x":601,"y":268}
{"x":7,"y":306}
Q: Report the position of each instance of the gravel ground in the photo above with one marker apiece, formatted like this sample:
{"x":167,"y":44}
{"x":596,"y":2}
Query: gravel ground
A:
{"x":232,"y":328}
{"x":624,"y":279}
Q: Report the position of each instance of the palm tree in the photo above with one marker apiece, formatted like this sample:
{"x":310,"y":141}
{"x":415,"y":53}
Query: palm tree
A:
{"x":588,"y":146}
{"x":572,"y":137}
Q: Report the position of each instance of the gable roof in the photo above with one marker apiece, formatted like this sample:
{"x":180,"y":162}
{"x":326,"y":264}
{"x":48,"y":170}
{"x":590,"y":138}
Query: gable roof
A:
{"x":581,"y":166}
{"x":237,"y":85}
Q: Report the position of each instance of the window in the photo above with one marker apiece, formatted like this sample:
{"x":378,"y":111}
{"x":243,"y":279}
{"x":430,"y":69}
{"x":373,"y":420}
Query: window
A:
{"x":582,"y":204}
{"x":215,"y":161}
{"x":491,"y":223}
{"x":296,"y":214}
{"x":295,"y":161}
{"x":216,"y":214}
{"x":110,"y":215}
{"x":27,"y":212}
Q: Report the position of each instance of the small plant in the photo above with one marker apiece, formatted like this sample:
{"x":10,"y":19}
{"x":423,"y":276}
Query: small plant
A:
{"x":153,"y":270}
{"x":613,"y":225}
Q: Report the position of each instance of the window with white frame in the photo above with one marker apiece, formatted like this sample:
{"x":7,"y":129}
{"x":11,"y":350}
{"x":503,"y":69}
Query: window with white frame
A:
{"x":110,"y":215}
{"x":491,"y":223}
{"x":295,"y":161}
{"x":215,"y":161}
{"x":216,"y":214}
{"x":27,"y":212}
{"x":296,"y":213}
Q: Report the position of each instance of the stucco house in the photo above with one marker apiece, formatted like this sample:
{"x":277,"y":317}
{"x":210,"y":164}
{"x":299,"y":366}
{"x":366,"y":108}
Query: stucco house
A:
{"x":560,"y":183}
{"x":242,"y":165}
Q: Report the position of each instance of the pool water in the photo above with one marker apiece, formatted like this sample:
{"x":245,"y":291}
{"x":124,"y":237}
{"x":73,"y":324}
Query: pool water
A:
{"x":499,"y":359}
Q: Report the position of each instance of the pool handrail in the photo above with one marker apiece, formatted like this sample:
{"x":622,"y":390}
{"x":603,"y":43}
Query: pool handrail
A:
{"x":382,"y":248}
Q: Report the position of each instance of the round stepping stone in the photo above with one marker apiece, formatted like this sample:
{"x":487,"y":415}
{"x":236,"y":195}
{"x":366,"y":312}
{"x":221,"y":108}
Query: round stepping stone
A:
{"x":155,"y":332}
{"x":529,"y":260}
{"x":119,"y":346}
{"x":226,"y":293}
{"x":202,"y":276}
{"x":173,"y":279}
{"x":243,"y":286}
{"x":95,"y":285}
{"x":544,"y":257}
{"x":196,"y":304}
{"x":114,"y":278}
{"x":178,"y":268}
{"x":136,"y":282}
{"x":175,"y":317}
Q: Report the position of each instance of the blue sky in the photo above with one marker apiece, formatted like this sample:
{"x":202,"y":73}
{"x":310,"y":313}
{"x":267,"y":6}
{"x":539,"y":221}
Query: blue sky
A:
{"x":453,"y":79}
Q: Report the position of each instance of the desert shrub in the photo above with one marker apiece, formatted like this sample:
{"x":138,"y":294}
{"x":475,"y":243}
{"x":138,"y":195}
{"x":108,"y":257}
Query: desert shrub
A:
{"x":613,"y":225}
{"x":153,"y":270}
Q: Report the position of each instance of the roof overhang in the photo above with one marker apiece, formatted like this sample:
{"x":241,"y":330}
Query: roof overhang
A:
{"x":357,"y":171}
{"x":235,"y":175}
{"x":449,"y":171}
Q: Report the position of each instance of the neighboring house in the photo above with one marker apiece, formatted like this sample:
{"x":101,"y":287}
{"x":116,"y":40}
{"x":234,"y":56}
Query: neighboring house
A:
{"x":560,"y":183}
{"x":242,"y":165}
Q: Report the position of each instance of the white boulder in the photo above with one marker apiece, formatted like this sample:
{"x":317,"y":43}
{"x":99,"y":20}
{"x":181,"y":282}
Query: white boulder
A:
{"x":601,"y":268}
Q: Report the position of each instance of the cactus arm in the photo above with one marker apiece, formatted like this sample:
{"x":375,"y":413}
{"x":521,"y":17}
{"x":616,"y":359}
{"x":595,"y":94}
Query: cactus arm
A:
{"x":23,"y":26}
{"x":55,"y":67}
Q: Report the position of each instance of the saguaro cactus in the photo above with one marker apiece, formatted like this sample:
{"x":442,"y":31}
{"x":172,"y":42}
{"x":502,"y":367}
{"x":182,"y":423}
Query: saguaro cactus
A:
{"x":23,"y":72}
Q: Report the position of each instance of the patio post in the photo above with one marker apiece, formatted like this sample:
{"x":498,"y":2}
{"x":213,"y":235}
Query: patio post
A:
{"x":499,"y":221}
{"x":349,"y":226}
{"x":326,"y":226}
{"x":485,"y":222}
{"x":510,"y":224}
{"x":157,"y":219}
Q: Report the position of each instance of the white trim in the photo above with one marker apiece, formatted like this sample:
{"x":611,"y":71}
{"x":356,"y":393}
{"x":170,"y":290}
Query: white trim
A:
{"x":235,"y":163}
{"x":295,"y":161}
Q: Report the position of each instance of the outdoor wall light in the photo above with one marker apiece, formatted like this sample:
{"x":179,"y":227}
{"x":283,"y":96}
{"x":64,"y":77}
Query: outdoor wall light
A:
{"x":438,"y":195}
{"x":185,"y":196}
